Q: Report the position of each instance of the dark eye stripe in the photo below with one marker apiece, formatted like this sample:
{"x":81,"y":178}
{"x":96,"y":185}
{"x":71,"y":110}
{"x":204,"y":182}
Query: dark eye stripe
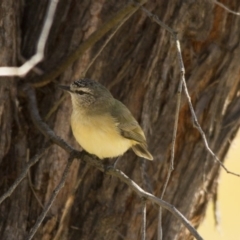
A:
{"x":80,"y":92}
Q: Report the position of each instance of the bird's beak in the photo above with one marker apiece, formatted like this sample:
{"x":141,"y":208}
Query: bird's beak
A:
{"x":66,"y":88}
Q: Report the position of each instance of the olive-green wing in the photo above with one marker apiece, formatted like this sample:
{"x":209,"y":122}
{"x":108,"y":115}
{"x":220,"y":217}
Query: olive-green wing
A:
{"x":126,"y":123}
{"x":129,"y":128}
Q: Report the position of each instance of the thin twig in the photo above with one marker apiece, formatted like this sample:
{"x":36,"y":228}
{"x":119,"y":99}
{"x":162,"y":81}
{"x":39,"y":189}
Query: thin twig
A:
{"x":45,"y":129}
{"x":35,"y":69}
{"x":199,"y":128}
{"x":30,"y":181}
{"x":42,"y":126}
{"x":23,"y":174}
{"x":171,"y":164}
{"x":118,"y":17}
{"x":55,"y":106}
{"x":145,"y":178}
{"x":179,"y":93}
{"x":159,"y":229}
{"x":39,"y":55}
{"x":182,"y":82}
{"x":182,"y":70}
{"x":154,"y":18}
{"x":226,"y":8}
{"x":118,"y":233}
{"x":217,"y":218}
{"x":51,"y":200}
{"x":144,"y":210}
{"x":68,"y":205}
{"x":148,"y":196}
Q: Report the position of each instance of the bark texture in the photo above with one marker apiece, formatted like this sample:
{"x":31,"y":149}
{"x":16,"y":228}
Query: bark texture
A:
{"x":140,"y":68}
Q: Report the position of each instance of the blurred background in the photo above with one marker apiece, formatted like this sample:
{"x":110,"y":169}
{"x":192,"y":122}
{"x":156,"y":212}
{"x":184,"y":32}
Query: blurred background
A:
{"x":228,"y":201}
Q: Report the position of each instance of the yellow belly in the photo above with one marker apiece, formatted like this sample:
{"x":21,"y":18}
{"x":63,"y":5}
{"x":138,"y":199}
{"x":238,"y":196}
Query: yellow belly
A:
{"x":99,"y":136}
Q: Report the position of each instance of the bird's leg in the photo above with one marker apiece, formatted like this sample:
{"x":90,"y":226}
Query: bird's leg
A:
{"x":116,"y":161}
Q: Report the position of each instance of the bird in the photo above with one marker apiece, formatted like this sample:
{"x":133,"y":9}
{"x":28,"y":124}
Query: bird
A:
{"x":102,"y":125}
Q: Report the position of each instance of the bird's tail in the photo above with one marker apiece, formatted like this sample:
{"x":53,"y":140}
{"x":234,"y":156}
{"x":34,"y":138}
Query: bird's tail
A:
{"x":141,"y":151}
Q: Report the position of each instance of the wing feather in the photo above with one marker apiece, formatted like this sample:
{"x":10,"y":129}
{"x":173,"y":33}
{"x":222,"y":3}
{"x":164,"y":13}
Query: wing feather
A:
{"x":130,"y":129}
{"x":126,"y":123}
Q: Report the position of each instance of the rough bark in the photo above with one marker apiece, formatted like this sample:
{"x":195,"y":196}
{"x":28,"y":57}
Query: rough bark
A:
{"x":140,"y":68}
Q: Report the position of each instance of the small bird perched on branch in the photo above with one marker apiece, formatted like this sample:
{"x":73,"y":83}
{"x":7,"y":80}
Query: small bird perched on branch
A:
{"x":101,"y":124}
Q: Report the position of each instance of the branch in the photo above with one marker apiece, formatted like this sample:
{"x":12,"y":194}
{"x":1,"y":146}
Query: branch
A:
{"x":39,"y":55}
{"x":226,"y":8}
{"x":148,"y":196}
{"x":23,"y":173}
{"x":144,"y":211}
{"x":182,"y":71}
{"x":30,"y":182}
{"x":182,"y":83}
{"x":51,"y":200}
{"x":199,"y":128}
{"x":171,"y":164}
{"x":66,"y":213}
{"x":45,"y":129}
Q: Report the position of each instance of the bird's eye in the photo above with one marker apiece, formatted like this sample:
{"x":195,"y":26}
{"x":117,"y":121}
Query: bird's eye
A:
{"x":80,"y":92}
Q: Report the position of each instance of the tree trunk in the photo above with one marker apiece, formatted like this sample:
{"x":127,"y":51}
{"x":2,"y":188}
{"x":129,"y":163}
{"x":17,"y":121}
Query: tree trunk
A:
{"x":140,"y":67}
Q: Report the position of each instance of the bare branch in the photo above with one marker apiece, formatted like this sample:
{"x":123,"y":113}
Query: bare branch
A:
{"x":124,"y":14}
{"x":143,"y":194}
{"x":45,"y":129}
{"x":217,"y":217}
{"x":68,"y":205}
{"x":35,"y":69}
{"x":159,"y":229}
{"x":155,"y":18}
{"x":23,"y":173}
{"x":55,"y":106}
{"x":199,"y":128}
{"x":182,"y":70}
{"x":144,"y":211}
{"x":30,"y":181}
{"x":182,"y":82}
{"x":39,"y":55}
{"x":51,"y":200}
{"x":226,"y":8}
{"x":42,"y":126}
{"x":171,"y":164}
